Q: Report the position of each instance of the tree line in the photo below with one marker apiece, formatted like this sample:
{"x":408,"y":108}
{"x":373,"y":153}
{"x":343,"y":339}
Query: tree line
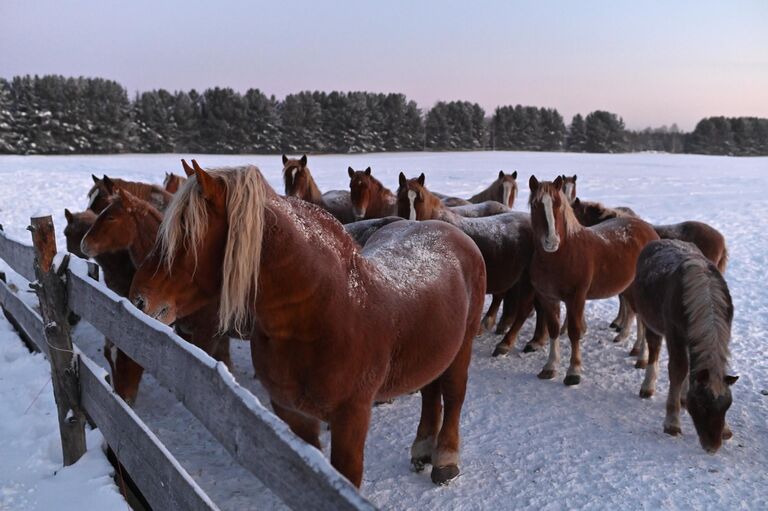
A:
{"x":58,"y":115}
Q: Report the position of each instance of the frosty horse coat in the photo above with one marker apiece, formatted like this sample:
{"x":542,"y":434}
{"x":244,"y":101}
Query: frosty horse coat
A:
{"x":504,"y":240}
{"x":300,"y":183}
{"x":98,"y":196}
{"x":333,"y":326}
{"x":129,"y":224}
{"x":502,"y":190}
{"x":680,"y":295}
{"x":573,"y":263}
{"x":370,"y":198}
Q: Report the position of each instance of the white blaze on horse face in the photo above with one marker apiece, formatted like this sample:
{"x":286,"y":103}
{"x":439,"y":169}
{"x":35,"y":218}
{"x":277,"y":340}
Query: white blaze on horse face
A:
{"x":507,"y":191}
{"x":293,"y":174}
{"x":411,"y":200}
{"x":551,"y":241}
{"x":92,"y":198}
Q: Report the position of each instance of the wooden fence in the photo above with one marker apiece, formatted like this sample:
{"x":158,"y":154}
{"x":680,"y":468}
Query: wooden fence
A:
{"x":297,"y":473}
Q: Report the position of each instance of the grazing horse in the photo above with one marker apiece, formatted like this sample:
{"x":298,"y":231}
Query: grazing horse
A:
{"x":334,"y":326}
{"x":592,"y":213}
{"x":680,"y":295}
{"x":172,"y":182}
{"x":300,"y":183}
{"x":569,"y":187}
{"x":504,"y":240}
{"x":503,"y":190}
{"x":98,"y":196}
{"x":370,"y":198}
{"x":573,"y":263}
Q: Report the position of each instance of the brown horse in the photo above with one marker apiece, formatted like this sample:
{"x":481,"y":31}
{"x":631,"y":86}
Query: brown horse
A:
{"x":592,"y":213}
{"x":573,"y":263}
{"x":334,"y":326}
{"x":172,"y":182}
{"x":300,"y":183}
{"x":569,"y":187}
{"x":129,"y":224}
{"x":503,"y":190}
{"x":98,"y":196}
{"x":370,"y":198}
{"x":680,"y":295}
{"x":504,"y":240}
{"x":487,"y":208}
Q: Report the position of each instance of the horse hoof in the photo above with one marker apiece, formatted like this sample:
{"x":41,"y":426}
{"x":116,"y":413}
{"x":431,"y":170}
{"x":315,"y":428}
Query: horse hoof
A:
{"x":500,"y":329}
{"x":501,"y":349}
{"x":572,"y":379}
{"x":530,"y":348}
{"x":387,"y":402}
{"x":613,"y":325}
{"x":641,"y":364}
{"x":546,"y":374}
{"x":673,"y":430}
{"x":645,"y":394}
{"x":727,"y":434}
{"x":444,"y":475}
{"x":418,"y":464}
{"x":488,"y":324}
{"x":634,"y":352}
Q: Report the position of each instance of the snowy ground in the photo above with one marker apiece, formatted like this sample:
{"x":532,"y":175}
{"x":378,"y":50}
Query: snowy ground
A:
{"x":526,"y":443}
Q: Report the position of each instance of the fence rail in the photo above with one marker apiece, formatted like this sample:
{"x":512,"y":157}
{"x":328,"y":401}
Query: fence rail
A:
{"x":299,"y":474}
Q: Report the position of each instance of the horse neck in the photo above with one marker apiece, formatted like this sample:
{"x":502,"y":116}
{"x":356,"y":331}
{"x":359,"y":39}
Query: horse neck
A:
{"x":315,"y":196}
{"x":382,"y":198}
{"x":442,"y":212}
{"x":147,"y":220}
{"x":118,"y":270}
{"x":487,"y":194}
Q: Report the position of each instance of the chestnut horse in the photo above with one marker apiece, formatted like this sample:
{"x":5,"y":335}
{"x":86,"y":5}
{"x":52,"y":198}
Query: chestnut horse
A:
{"x":300,"y":183}
{"x":573,"y":263}
{"x":370,"y":198}
{"x":334,"y":326}
{"x":98,"y":196}
{"x":680,"y":295}
{"x":131,"y":224}
{"x":172,"y":182}
{"x":569,"y":187}
{"x":503,"y":190}
{"x":504,"y":240}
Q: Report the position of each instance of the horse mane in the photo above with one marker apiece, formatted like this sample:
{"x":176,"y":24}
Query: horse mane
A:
{"x":186,"y":223}
{"x":572,"y":224}
{"x":707,"y":306}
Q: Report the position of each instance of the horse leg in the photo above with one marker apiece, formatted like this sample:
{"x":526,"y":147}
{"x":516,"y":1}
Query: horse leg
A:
{"x":508,"y":311}
{"x":575,"y":308}
{"x":221,"y":351}
{"x":305,"y":427}
{"x":652,"y":368}
{"x":523,"y":306}
{"x":453,"y":386}
{"x":551,"y":313}
{"x":678,"y":370}
{"x":618,"y":322}
{"x":640,"y":348}
{"x":540,"y":332}
{"x":490,"y":317}
{"x":126,"y":377}
{"x":429,"y":426}
{"x":110,"y":353}
{"x":349,"y":427}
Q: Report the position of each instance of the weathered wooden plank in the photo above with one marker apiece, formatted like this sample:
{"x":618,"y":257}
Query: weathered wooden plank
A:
{"x":26,"y":320}
{"x":20,"y":257}
{"x":299,"y":474}
{"x":162,"y":480}
{"x":52,"y":293}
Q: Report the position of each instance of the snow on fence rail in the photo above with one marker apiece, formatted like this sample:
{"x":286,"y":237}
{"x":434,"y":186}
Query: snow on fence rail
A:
{"x":299,"y":474}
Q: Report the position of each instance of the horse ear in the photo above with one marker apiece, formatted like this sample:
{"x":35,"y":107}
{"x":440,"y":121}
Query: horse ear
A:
{"x":422,"y":178}
{"x":303,"y":160}
{"x":68,"y":215}
{"x":204,"y":180}
{"x":514,"y":175}
{"x":351,"y":172}
{"x":95,"y":179}
{"x":501,"y":174}
{"x":285,"y":160}
{"x":558,"y":183}
{"x":730,"y":379}
{"x":368,"y":171}
{"x":403,"y":180}
{"x":189,"y":171}
{"x":109,"y":185}
{"x":533,"y":183}
{"x":576,"y":202}
{"x":574,"y":178}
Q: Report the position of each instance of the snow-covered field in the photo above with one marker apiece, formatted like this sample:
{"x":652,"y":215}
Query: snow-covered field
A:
{"x":526,"y":443}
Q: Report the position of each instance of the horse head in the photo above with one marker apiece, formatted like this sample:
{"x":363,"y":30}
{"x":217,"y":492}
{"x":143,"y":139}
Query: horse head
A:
{"x":114,"y":228}
{"x":569,"y":187}
{"x":551,"y":215}
{"x":707,"y":404}
{"x":298,"y":180}
{"x":414,"y":200}
{"x":77,"y":225}
{"x":361,"y":187}
{"x":507,"y":186}
{"x":98,"y":196}
{"x":589,"y":213}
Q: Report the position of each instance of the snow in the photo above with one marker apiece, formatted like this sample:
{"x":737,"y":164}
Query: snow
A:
{"x":526,"y":443}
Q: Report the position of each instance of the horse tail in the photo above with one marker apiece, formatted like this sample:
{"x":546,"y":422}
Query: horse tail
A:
{"x":723,"y":262}
{"x":708,"y":310}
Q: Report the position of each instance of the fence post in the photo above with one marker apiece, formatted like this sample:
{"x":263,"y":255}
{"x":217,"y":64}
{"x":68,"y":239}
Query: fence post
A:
{"x":52,"y":293}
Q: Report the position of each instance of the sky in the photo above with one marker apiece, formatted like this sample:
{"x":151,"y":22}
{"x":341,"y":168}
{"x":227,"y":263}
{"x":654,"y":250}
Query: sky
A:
{"x":653,"y":62}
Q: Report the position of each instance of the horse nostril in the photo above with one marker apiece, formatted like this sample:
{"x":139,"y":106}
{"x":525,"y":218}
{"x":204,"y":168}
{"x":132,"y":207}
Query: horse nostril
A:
{"x":139,"y":303}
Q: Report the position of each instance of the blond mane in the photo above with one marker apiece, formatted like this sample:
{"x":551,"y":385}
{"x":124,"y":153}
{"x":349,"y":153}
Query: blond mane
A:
{"x":185,"y":225}
{"x":572,"y":224}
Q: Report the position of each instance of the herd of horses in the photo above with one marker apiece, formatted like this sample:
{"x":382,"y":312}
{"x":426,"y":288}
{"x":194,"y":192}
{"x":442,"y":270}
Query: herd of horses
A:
{"x":352,"y":297}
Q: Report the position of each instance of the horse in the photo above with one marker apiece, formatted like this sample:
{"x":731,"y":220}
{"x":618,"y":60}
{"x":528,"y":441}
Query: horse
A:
{"x":98,"y":196}
{"x":362,"y":230}
{"x":503,"y":190}
{"x":333,"y":326}
{"x":569,"y":187}
{"x":370,"y":198}
{"x":487,"y":208}
{"x":299,"y":183}
{"x":129,"y":224}
{"x":573,"y":263}
{"x":504,"y":240}
{"x":592,"y":213}
{"x":680,"y":295}
{"x":172,"y":182}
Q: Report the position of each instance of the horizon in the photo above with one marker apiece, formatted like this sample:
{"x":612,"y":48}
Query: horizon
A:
{"x":653,"y":65}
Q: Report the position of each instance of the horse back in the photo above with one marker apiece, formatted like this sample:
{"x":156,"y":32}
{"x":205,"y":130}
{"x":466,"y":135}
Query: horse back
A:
{"x":709,"y":240}
{"x":339,"y":204}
